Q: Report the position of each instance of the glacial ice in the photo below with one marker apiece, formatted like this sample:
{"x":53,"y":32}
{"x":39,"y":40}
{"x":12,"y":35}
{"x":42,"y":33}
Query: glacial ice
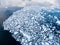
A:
{"x":35,"y":25}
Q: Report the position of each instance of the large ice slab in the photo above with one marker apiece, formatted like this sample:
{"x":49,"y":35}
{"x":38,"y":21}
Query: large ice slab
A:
{"x":35,"y":25}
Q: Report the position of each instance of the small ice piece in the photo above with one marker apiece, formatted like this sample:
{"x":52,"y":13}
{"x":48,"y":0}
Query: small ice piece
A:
{"x":15,"y":32}
{"x":50,"y":36}
{"x":55,"y":17}
{"x":42,"y":43}
{"x":58,"y":22}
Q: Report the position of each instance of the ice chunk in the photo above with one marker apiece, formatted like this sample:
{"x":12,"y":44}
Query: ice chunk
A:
{"x":58,"y":22}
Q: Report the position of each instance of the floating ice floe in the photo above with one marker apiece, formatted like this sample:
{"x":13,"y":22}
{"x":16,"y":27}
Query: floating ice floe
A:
{"x":35,"y":25}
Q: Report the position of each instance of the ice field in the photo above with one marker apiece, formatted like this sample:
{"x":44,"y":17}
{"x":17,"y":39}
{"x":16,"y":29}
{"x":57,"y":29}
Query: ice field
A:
{"x":35,"y":25}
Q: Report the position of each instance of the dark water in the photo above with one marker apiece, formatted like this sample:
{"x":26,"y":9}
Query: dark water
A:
{"x":5,"y":36}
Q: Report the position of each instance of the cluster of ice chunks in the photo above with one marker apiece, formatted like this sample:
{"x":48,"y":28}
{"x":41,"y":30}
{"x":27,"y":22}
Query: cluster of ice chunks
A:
{"x":35,"y":25}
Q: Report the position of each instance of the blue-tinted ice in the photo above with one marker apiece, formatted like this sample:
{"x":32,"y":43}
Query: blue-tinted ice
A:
{"x":35,"y":25}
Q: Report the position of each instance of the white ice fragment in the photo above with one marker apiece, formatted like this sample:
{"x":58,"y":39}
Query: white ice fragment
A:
{"x":42,"y":43}
{"x":55,"y":17}
{"x":51,"y":36}
{"x":58,"y":22}
{"x":15,"y":33}
{"x":44,"y":28}
{"x":32,"y":18}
